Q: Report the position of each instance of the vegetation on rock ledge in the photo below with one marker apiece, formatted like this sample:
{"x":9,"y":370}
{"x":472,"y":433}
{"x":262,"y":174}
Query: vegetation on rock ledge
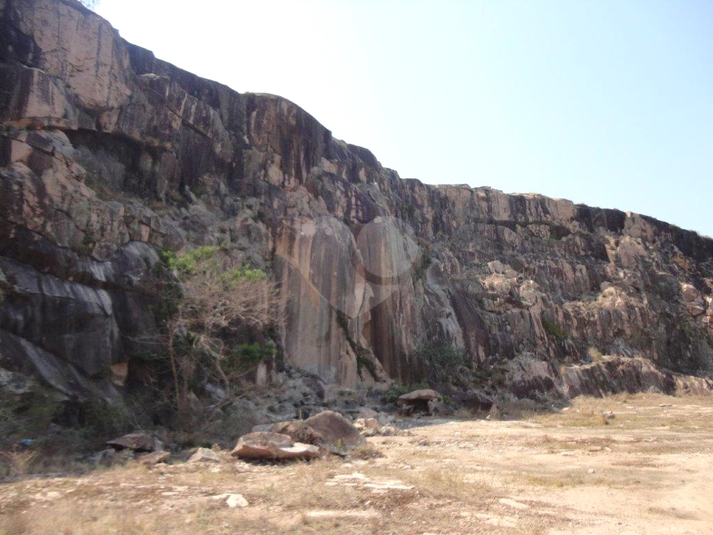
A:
{"x":214,"y":315}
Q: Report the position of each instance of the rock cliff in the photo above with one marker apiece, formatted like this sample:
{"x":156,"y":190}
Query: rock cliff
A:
{"x":108,"y":155}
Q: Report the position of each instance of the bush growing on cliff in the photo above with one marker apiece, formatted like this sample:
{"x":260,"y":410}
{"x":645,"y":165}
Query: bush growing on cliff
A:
{"x":554,"y":330}
{"x":444,"y":362}
{"x":394,"y":391}
{"x":423,"y":264}
{"x":210,"y":303}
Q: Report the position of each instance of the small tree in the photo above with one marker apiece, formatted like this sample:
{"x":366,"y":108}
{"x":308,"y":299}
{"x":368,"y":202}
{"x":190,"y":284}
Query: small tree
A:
{"x":210,"y":306}
{"x":443,"y":361}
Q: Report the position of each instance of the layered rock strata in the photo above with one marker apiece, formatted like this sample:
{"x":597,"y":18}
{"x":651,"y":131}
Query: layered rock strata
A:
{"x":108,"y":155}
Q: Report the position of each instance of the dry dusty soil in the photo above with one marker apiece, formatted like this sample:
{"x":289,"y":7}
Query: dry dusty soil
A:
{"x":646,"y":471}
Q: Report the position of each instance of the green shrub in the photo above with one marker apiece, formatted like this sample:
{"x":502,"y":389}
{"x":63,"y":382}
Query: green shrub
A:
{"x":42,"y":408}
{"x":108,"y":419}
{"x":443,"y":360}
{"x":554,"y":330}
{"x":187,"y":263}
{"x":395,"y":391}
{"x":245,"y":357}
{"x":365,"y":363}
{"x":208,"y":305}
{"x":423,"y":265}
{"x":244,"y":274}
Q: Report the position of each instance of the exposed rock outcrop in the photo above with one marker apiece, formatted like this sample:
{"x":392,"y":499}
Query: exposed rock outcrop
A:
{"x":272,"y":446}
{"x":137,"y":442}
{"x":108,"y":155}
{"x":329,"y":430}
{"x":425,"y":401}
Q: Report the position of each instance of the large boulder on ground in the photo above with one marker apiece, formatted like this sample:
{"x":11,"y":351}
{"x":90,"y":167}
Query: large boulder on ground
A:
{"x":328,"y":430}
{"x":367,"y":423}
{"x":272,"y":446}
{"x":371,"y":427}
{"x":473,"y":400}
{"x":424,"y":401}
{"x":137,"y":442}
{"x":366,"y":412}
{"x":151,"y":459}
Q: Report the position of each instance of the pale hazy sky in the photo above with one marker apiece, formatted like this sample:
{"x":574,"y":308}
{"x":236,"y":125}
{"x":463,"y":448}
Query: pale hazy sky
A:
{"x":605,"y":102}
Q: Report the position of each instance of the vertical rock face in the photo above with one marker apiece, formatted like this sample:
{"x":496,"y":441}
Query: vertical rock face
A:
{"x":108,"y":154}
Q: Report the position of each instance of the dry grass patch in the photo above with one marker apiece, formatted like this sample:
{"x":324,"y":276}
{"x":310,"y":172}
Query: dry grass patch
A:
{"x":555,"y":444}
{"x":637,"y":462}
{"x":366,"y":452}
{"x":451,"y":484}
{"x":565,"y":480}
{"x":634,"y":412}
{"x":304,"y":486}
{"x":123,"y":519}
{"x":18,"y":463}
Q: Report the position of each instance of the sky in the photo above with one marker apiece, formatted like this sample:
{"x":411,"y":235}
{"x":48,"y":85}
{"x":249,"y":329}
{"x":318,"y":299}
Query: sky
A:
{"x":604,"y":102}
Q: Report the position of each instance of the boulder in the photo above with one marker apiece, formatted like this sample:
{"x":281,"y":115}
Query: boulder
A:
{"x":389,"y":431}
{"x":205,"y":455}
{"x":15,"y":384}
{"x":272,"y":446}
{"x":366,"y":412}
{"x":708,"y":320}
{"x":137,"y":442}
{"x":696,"y":308}
{"x":236,"y":500}
{"x":423,"y":401}
{"x":473,"y":400}
{"x":154,"y":458}
{"x":689,"y":293}
{"x":438,"y":407}
{"x":233,"y":501}
{"x":104,"y":457}
{"x":371,"y":427}
{"x":368,"y":427}
{"x":367,"y":423}
{"x":329,"y":430}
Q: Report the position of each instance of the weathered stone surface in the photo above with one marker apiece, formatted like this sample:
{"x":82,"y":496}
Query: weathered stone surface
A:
{"x":366,"y":412}
{"x":272,"y":446}
{"x":108,"y":154}
{"x":473,"y":400}
{"x":154,"y":458}
{"x":617,"y":374}
{"x":689,"y":293}
{"x":328,"y":430}
{"x":236,"y":500}
{"x":367,"y":423}
{"x":16,"y":384}
{"x":205,"y":455}
{"x":371,"y":427}
{"x":137,"y":442}
{"x":425,"y":401}
{"x":420,"y":395}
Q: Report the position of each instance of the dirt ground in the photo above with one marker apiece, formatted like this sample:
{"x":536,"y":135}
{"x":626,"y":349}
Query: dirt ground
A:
{"x":647,"y":470}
